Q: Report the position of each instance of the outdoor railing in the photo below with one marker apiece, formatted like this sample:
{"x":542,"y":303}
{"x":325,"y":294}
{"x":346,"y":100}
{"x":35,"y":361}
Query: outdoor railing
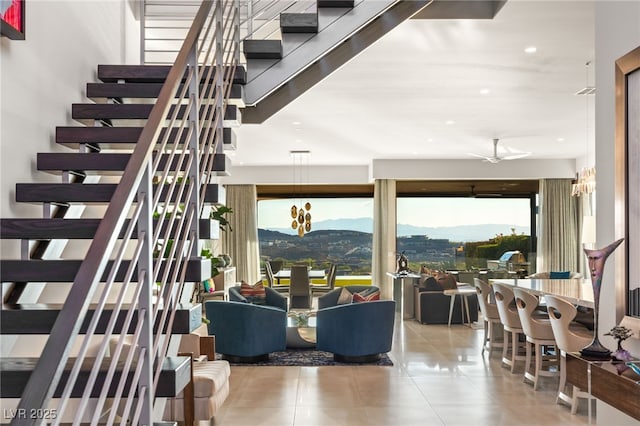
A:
{"x":184,"y":127}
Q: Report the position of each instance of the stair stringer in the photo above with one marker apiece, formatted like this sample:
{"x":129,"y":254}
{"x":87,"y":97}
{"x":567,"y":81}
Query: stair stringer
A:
{"x":322,"y":54}
{"x":335,"y":25}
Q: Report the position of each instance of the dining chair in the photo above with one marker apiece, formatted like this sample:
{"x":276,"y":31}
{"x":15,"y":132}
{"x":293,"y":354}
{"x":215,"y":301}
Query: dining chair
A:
{"x":537,"y":327}
{"x":271,"y":282}
{"x":570,"y":337}
{"x":490,"y":316}
{"x":331,"y":282}
{"x":511,"y":325}
{"x":299,"y":288}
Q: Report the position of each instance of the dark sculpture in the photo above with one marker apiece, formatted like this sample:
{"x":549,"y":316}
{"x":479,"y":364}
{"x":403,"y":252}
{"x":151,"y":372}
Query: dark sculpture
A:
{"x":596,"y":260}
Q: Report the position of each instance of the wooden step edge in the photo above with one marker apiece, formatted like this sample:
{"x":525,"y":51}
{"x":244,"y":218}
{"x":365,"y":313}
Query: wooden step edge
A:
{"x":262,"y":49}
{"x":64,"y":271}
{"x":20,"y":319}
{"x":151,"y":73}
{"x":15,"y":372}
{"x":298,"y":22}
{"x":68,"y":193}
{"x":145,"y":90}
{"x":76,"y":229}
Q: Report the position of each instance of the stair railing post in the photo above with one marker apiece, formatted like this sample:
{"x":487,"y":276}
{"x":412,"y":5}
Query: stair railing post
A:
{"x":219,"y":83}
{"x":145,"y":308}
{"x":249,"y":18}
{"x":236,"y":39}
{"x":194,"y":151}
{"x":143,"y":34}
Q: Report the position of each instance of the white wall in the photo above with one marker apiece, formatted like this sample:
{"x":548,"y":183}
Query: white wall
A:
{"x":617,"y":32}
{"x":40,"y":78}
{"x":43,"y":75}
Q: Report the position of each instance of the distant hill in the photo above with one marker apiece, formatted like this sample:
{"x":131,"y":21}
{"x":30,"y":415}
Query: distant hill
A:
{"x":454,"y":233}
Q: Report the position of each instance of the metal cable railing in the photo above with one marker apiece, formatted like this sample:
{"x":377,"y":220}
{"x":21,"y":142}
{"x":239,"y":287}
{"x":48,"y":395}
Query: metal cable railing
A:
{"x":145,"y":275}
{"x":163,"y":23}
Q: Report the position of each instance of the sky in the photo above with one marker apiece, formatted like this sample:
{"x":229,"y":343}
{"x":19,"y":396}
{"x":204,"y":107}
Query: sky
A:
{"x":410,"y":211}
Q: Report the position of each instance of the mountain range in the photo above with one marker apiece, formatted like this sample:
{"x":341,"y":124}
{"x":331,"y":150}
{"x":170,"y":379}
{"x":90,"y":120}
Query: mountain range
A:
{"x":453,"y":233}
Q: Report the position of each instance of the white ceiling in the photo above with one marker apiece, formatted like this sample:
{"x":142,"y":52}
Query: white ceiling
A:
{"x":394,"y":100}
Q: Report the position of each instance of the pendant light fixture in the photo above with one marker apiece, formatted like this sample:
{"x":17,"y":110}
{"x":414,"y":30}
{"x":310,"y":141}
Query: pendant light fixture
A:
{"x":586,"y":180}
{"x":300,"y":215}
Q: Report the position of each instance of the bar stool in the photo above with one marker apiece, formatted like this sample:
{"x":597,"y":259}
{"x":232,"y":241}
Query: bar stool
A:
{"x":489,"y":314}
{"x":570,"y":337}
{"x":510,"y":323}
{"x":537,"y":328}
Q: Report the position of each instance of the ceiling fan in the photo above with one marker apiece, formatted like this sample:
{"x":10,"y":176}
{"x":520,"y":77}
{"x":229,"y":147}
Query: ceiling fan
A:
{"x":496,"y":158}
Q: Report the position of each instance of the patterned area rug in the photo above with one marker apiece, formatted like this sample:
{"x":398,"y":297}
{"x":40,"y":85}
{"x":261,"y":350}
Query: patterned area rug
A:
{"x":309,"y":358}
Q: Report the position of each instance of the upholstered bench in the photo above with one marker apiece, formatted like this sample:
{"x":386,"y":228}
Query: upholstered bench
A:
{"x":210,"y":378}
{"x":210,"y":390}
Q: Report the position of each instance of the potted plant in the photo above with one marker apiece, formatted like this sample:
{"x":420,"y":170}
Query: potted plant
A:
{"x":620,"y":333}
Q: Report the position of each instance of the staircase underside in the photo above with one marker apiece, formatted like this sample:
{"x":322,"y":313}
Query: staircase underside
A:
{"x":263,"y":103}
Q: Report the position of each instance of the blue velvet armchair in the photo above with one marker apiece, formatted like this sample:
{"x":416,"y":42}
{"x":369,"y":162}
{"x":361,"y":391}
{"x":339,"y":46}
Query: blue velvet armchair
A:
{"x":246,"y":332}
{"x":356,"y":332}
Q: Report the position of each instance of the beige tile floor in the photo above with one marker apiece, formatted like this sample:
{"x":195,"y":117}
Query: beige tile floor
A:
{"x":439,"y":377}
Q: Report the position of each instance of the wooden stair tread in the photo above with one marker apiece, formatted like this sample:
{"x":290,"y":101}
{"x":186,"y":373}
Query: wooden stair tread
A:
{"x":74,"y":135}
{"x":65,"y":270}
{"x":39,"y":319}
{"x":135,"y":111}
{"x":72,"y":229}
{"x":83,"y":193}
{"x":262,"y":49}
{"x":299,"y":22}
{"x":83,"y":134}
{"x":15,"y":372}
{"x":336,"y":3}
{"x":143,"y":90}
{"x":105,"y":162}
{"x":151,"y":73}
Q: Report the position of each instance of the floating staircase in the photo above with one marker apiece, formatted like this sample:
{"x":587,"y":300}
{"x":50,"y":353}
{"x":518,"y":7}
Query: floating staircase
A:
{"x":113,"y":125}
{"x":290,"y":45}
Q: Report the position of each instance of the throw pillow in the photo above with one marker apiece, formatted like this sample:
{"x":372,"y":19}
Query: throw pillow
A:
{"x":345,"y":297}
{"x":207,"y":285}
{"x":255,"y":294}
{"x":358,"y":297}
{"x":564,"y":275}
{"x":447,"y":281}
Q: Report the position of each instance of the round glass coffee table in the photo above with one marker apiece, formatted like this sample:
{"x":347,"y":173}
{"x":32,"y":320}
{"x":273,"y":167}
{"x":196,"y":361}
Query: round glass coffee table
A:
{"x":301,"y":329}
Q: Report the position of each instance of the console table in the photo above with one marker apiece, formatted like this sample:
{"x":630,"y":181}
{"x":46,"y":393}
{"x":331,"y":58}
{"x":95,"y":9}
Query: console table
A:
{"x":601,"y":379}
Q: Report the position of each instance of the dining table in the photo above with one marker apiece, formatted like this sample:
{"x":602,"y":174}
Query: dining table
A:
{"x":286,"y":273}
{"x":576,"y":290}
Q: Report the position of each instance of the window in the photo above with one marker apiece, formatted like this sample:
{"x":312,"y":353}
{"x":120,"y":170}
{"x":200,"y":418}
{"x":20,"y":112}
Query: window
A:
{"x":341,"y":233}
{"x":464,"y":233}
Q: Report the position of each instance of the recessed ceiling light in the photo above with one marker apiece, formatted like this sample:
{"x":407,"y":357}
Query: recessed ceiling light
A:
{"x":429,"y":140}
{"x":560,"y":139}
{"x":485,"y":91}
{"x":298,"y":140}
{"x":449,"y":122}
{"x":531,"y":49}
{"x":296,"y":123}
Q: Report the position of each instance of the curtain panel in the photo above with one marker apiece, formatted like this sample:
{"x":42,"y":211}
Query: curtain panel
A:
{"x":242,"y":243}
{"x":384,"y":235}
{"x":559,"y":234}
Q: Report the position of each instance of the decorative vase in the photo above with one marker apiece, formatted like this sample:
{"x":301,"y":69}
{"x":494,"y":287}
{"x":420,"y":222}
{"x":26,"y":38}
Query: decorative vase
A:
{"x":597,"y":259}
{"x":227,"y":259}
